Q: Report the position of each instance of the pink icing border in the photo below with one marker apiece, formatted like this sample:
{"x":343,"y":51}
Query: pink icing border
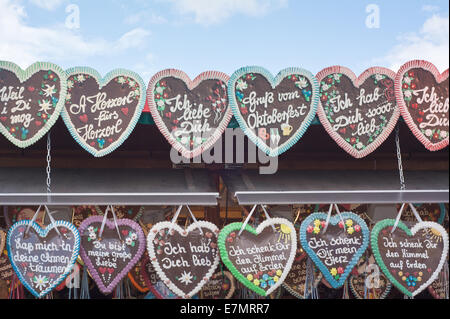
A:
{"x":357,"y":81}
{"x":440,"y":77}
{"x":110,"y":224}
{"x":208,"y":75}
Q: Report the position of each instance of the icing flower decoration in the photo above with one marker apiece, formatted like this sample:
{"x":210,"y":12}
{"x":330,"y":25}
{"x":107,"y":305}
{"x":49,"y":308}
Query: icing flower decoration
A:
{"x":279,"y":272}
{"x":350,"y":230}
{"x":340,"y":270}
{"x":256,"y":282}
{"x":317,"y":223}
{"x":341,"y":224}
{"x":411,"y":281}
{"x":349,"y":222}
{"x":316,"y":230}
{"x":333,"y":272}
{"x":241,"y":85}
{"x":357,"y":228}
{"x":249,"y":277}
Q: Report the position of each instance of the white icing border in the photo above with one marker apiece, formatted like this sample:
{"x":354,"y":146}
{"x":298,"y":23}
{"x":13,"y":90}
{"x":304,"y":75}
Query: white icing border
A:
{"x":151,"y":251}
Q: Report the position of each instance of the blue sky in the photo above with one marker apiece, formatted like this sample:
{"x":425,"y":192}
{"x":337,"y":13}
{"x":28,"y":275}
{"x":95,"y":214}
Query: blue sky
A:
{"x":224,"y":35}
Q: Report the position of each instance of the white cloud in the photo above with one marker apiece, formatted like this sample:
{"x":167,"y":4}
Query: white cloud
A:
{"x":208,"y":12}
{"x":24,"y":44}
{"x":139,"y":17}
{"x":430,"y":8}
{"x":430,"y":43}
{"x":47,"y":4}
{"x":132,"y":39}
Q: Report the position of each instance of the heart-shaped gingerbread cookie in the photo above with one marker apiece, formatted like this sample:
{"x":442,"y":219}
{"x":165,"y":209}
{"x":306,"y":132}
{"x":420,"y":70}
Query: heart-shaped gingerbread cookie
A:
{"x":184,"y":259}
{"x":274,"y":112}
{"x":259,"y":258}
{"x":101,"y":113}
{"x":336,"y":250}
{"x":192,"y":115}
{"x":422,"y":94}
{"x":410,"y":258}
{"x":30,"y":101}
{"x":42,"y":258}
{"x":359,"y":113}
{"x":110,"y":257}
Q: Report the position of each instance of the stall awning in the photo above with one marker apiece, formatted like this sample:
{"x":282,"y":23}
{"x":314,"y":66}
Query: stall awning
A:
{"x":27,"y":186}
{"x":341,"y":187}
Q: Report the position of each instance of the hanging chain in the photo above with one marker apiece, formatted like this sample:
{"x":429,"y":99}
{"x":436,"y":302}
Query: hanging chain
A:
{"x":49,"y":159}
{"x":399,"y":159}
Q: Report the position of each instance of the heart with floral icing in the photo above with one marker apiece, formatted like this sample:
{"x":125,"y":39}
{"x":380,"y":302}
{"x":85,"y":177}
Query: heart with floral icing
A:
{"x":220,"y":286}
{"x":334,"y":248}
{"x":259,"y":258}
{"x":185,"y":259}
{"x":274,"y":112}
{"x":42,"y":258}
{"x":110,"y":257}
{"x":192,"y":115}
{"x":422,"y":94}
{"x":410,"y":258}
{"x":101,"y":113}
{"x":30,"y":101}
{"x":359,"y":113}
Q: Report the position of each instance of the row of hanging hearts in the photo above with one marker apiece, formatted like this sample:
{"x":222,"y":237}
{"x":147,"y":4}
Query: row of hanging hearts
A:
{"x":359,"y":113}
{"x":261,"y":258}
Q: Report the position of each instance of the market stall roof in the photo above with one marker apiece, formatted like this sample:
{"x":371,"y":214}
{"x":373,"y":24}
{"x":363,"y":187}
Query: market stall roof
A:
{"x":340,"y":187}
{"x":27,"y":186}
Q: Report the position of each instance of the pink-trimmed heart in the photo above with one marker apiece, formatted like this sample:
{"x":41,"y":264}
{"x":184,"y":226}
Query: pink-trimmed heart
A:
{"x":42,"y":258}
{"x":359,"y":113}
{"x":183,"y":259}
{"x":31,"y":101}
{"x":410,"y":258}
{"x":192,"y":115}
{"x":101,"y":113}
{"x":109,"y":258}
{"x":422,"y":94}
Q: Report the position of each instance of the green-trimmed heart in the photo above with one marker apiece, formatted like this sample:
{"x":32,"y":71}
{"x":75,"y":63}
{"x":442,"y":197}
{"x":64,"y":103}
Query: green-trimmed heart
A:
{"x":410,"y":258}
{"x":259,"y":258}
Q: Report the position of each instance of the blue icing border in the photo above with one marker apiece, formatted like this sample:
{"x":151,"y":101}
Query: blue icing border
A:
{"x":43,"y":232}
{"x":102,"y":82}
{"x":333,"y":221}
{"x":274,"y":81}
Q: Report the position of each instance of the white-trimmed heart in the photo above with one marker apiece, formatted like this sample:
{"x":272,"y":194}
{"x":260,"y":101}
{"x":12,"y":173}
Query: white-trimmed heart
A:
{"x":192,"y":115}
{"x":274,"y":112}
{"x":422,"y":94}
{"x":42,"y":258}
{"x":101,"y":113}
{"x":337,"y":250}
{"x":411,"y":259}
{"x":184,"y":259}
{"x":259,"y":258}
{"x":31,"y":100}
{"x":359,"y":113}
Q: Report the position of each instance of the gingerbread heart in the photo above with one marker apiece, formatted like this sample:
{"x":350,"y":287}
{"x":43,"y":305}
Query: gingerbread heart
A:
{"x":366,"y":281}
{"x":184,"y":259}
{"x":42,"y":258}
{"x":220,"y":286}
{"x":30,"y":101}
{"x":274,"y":112}
{"x":296,"y":279}
{"x":109,"y":258}
{"x":94,"y":108}
{"x":136,"y":275}
{"x":192,"y":115}
{"x":259,"y":258}
{"x":337,"y":250}
{"x":410,"y":258}
{"x":422,"y":94}
{"x":358,"y":113}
